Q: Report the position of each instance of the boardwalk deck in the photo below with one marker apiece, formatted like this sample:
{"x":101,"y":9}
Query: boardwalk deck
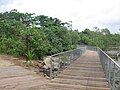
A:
{"x":85,"y":73}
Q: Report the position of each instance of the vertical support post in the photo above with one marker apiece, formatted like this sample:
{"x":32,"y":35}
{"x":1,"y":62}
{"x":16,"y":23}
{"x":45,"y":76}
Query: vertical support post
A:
{"x":109,"y":73}
{"x":113,"y":88}
{"x":51,"y":69}
{"x":51,"y":74}
{"x":107,"y":68}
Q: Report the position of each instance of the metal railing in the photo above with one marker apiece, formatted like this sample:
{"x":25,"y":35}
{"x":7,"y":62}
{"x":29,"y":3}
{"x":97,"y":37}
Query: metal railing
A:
{"x":61,"y":60}
{"x":111,"y":69}
{"x":93,"y":48}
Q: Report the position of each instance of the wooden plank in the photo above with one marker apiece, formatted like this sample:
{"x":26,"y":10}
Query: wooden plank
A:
{"x":83,"y":82}
{"x":82,"y":78}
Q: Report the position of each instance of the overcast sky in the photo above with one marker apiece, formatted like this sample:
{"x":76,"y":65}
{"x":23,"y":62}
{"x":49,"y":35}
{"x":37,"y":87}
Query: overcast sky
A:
{"x":82,"y":13}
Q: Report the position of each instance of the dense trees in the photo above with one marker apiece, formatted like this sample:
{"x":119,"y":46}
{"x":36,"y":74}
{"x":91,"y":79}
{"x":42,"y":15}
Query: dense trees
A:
{"x":21,"y":33}
{"x":101,"y":38}
{"x":24,"y":32}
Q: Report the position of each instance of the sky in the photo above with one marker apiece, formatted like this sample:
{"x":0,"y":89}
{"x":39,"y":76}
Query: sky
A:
{"x":82,"y":13}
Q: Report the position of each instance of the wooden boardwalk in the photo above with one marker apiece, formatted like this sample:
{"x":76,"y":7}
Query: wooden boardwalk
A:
{"x":85,"y":73}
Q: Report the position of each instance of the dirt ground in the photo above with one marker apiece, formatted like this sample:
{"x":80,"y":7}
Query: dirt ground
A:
{"x":15,"y":74}
{"x":8,"y":60}
{"x":4,"y":61}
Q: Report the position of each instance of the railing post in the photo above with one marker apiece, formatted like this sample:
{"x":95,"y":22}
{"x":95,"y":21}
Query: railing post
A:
{"x":103,"y":62}
{"x":106,"y":67}
{"x":113,"y":77}
{"x":51,"y":74}
{"x":109,"y":72}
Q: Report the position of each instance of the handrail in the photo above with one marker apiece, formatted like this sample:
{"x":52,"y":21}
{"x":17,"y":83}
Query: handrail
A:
{"x":110,"y":58}
{"x":111,"y":69}
{"x":61,"y":60}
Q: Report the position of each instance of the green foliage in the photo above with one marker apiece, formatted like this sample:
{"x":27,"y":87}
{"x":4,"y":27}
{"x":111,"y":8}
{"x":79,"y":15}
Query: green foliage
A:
{"x":102,"y":38}
{"x":22,"y":32}
{"x":30,"y":55}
